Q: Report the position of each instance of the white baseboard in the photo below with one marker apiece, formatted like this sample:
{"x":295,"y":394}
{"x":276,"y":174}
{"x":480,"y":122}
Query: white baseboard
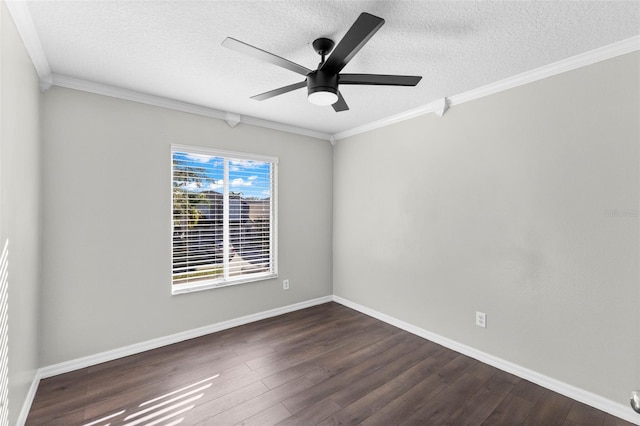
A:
{"x":616,"y":409}
{"x":87,"y":361}
{"x":596,"y":401}
{"x":76,"y":364}
{"x":26,"y":406}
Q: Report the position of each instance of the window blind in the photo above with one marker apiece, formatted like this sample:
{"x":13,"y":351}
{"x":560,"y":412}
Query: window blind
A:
{"x":224,"y":223}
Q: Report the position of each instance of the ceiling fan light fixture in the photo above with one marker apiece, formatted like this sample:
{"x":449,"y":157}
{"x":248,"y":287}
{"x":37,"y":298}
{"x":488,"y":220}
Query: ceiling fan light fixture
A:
{"x":323,"y":98}
{"x":322,"y":88}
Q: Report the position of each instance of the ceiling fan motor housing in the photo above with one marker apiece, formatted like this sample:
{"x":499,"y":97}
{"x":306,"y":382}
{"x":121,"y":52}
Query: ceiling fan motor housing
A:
{"x":320,"y":81}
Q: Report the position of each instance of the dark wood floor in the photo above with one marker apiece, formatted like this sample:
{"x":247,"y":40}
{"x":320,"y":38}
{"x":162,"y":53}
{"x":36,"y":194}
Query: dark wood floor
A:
{"x":325,"y":365}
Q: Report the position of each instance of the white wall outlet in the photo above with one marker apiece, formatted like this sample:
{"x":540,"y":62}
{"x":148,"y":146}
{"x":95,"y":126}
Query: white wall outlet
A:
{"x":481,"y":319}
{"x":285,"y":284}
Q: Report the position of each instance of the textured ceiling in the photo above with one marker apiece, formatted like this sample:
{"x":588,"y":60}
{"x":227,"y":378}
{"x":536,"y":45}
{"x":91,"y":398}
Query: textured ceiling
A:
{"x":173,"y":48}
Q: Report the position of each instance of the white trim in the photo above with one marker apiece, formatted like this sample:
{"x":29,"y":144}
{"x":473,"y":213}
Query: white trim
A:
{"x":597,"y":55}
{"x":22,"y":18}
{"x":87,"y":361}
{"x":178,"y":289}
{"x":619,"y":410}
{"x":443,"y":106}
{"x":214,"y":152}
{"x":28,"y":400}
{"x":232,"y":119}
{"x":587,"y":58}
{"x":24,"y":23}
{"x":285,"y":128}
{"x":227,"y":279}
{"x":582,"y":60}
{"x":144,"y":98}
{"x":422,"y":110}
{"x":616,"y":409}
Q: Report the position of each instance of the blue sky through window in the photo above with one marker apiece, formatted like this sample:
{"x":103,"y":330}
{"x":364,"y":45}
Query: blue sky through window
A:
{"x":249,"y":177}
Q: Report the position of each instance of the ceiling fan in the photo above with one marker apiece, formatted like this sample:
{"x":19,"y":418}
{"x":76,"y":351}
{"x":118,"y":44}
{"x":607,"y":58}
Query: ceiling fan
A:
{"x":322,"y":83}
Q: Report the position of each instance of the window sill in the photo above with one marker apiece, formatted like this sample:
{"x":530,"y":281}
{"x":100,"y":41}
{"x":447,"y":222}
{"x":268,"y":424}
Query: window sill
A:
{"x":212,"y":284}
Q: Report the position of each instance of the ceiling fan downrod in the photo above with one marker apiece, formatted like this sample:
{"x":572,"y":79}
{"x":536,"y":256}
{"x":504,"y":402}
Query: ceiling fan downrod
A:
{"x":323,"y":46}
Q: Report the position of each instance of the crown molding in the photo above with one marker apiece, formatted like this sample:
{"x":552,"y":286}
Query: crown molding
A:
{"x":24,"y":23}
{"x":597,"y":55}
{"x":285,"y":128}
{"x":587,"y":58}
{"x":130,"y":95}
{"x":22,"y":18}
{"x":422,"y":110}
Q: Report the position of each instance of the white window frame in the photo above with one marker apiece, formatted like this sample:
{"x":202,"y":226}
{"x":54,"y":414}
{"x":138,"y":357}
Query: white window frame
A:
{"x":273,"y":221}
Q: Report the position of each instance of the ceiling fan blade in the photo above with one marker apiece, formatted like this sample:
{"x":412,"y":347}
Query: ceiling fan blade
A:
{"x":380,"y":79}
{"x":263,"y":55}
{"x":360,"y":32}
{"x":340,"y":104}
{"x":280,"y":91}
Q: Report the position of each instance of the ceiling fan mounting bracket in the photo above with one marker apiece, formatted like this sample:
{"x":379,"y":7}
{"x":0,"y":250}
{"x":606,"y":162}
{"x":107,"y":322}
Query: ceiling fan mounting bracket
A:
{"x":323,"y":46}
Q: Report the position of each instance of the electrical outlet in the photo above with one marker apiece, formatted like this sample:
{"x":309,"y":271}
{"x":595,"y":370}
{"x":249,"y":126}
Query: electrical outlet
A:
{"x":285,"y":284}
{"x":481,"y":319}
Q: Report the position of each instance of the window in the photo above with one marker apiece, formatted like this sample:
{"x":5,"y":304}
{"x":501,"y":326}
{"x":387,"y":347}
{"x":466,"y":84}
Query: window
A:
{"x":224,"y":218}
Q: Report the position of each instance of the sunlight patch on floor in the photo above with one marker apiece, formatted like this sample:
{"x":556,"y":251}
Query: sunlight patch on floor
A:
{"x":162,"y":408}
{"x":151,"y":401}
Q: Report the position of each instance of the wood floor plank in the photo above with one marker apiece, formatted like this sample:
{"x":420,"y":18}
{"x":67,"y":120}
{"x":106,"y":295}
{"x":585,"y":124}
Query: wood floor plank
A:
{"x":313,"y":414}
{"x":517,"y":405}
{"x":269,"y":417}
{"x":365,"y":383}
{"x":445,"y":405}
{"x":259,"y":403}
{"x":315,"y":350}
{"x":415,"y":398}
{"x":512,"y":410}
{"x":204,"y":411}
{"x":551,"y":409}
{"x":583,"y":415}
{"x":304,"y":349}
{"x":325,"y":365}
{"x":314,"y":359}
{"x":482,"y":403}
{"x":337,"y":362}
{"x":226,"y":381}
{"x":57,"y":394}
{"x":66,"y":418}
{"x":282,"y":377}
{"x":528,"y":391}
{"x":614,"y":421}
{"x":351,"y":367}
{"x":377,"y":398}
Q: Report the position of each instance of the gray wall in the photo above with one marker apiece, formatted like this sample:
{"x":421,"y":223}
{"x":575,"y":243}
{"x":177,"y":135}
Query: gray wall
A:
{"x":20,"y":207}
{"x":523,"y":205}
{"x":107,"y":223}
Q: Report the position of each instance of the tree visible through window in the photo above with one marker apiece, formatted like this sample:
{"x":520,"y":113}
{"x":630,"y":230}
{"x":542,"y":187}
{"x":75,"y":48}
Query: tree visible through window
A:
{"x":223,"y":228}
